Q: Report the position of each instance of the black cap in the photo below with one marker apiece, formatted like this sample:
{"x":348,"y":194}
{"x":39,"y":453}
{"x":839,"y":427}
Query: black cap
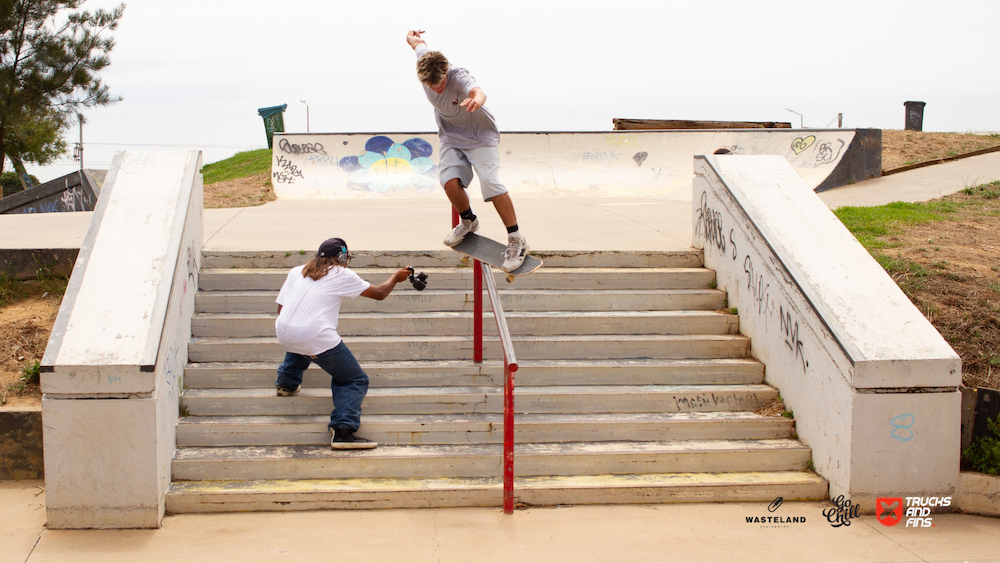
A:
{"x":333,"y":247}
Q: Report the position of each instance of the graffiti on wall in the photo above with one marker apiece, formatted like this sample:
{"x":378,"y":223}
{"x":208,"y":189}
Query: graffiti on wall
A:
{"x":286,"y":172}
{"x":800,"y":144}
{"x":710,"y":227}
{"x":826,"y":152}
{"x":387,"y":165}
{"x":72,"y":199}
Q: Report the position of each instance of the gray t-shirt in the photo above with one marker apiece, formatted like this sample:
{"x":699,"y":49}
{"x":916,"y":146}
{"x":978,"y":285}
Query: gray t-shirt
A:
{"x":457,"y":127}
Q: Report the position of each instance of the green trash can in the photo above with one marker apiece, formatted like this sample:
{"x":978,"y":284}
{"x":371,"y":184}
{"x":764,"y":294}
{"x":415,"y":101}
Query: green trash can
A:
{"x":274,"y":122}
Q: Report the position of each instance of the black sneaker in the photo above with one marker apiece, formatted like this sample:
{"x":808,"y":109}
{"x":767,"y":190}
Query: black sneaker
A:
{"x":286,"y":392}
{"x":344,"y":439}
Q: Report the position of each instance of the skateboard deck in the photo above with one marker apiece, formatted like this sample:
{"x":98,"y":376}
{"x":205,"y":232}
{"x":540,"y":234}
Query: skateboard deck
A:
{"x":492,"y":252}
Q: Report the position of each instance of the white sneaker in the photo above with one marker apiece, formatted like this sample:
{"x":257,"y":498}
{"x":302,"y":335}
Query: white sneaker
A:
{"x":458,"y":233}
{"x":517,"y":251}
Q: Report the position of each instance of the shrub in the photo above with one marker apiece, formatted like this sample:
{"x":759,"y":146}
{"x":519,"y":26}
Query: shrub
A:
{"x":984,"y":453}
{"x":11,"y":184}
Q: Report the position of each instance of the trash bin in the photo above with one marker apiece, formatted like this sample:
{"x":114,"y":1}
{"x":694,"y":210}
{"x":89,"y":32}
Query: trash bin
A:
{"x":274,"y":122}
{"x":914,"y":116}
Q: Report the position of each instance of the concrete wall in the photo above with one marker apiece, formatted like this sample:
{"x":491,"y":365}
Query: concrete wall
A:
{"x":28,"y":263}
{"x":632,"y":164}
{"x":21,"y":443}
{"x":872,"y":384}
{"x":113,"y":366}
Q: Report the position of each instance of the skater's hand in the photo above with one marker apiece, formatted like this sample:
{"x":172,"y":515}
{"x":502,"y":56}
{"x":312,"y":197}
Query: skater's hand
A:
{"x":476,"y":100}
{"x":413,"y":38}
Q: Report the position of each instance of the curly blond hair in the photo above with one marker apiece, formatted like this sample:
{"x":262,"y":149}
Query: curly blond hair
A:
{"x":432,"y":68}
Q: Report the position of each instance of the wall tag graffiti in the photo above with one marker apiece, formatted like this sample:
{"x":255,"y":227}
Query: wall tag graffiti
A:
{"x":800,"y":144}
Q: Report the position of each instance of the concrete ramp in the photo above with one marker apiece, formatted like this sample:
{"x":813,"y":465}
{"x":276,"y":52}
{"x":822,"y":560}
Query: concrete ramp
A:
{"x":633,"y":164}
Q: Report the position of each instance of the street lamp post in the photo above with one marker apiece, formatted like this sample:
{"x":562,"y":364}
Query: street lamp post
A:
{"x":800,"y":117}
{"x":307,"y":115}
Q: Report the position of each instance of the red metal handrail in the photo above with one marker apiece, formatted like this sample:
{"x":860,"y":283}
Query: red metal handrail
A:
{"x":509,"y":364}
{"x":509,"y":367}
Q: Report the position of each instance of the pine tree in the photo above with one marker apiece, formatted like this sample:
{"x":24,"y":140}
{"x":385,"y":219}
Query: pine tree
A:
{"x":49,"y":63}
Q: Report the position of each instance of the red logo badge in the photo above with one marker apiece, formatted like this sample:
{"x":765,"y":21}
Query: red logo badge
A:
{"x":889,"y":511}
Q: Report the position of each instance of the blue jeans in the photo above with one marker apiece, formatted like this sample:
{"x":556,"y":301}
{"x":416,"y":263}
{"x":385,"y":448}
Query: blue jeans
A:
{"x":349,"y":382}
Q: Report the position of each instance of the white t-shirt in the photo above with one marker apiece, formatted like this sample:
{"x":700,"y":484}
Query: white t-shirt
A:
{"x":310,"y":309}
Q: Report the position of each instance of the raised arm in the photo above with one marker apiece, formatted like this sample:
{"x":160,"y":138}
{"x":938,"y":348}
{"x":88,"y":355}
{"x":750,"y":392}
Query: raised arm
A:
{"x":381,"y":291}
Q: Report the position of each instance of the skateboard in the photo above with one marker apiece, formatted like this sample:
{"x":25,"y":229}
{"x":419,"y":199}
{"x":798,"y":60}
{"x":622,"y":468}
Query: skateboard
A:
{"x":492,"y":252}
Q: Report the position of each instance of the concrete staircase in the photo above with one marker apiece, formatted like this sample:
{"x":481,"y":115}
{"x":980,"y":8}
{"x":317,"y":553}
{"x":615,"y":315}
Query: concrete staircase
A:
{"x":633,"y":388}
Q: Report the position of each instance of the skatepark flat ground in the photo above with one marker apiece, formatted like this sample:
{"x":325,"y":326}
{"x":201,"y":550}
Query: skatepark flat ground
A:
{"x":550,"y":224}
{"x":634,"y":533}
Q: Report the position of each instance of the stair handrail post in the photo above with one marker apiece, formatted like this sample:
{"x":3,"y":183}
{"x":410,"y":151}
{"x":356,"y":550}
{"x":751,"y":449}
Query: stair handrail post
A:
{"x":477,"y":300}
{"x":477,"y":311}
{"x":509,"y":367}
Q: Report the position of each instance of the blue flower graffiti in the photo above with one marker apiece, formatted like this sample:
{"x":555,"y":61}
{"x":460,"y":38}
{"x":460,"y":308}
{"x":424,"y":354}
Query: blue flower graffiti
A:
{"x":386,"y":165}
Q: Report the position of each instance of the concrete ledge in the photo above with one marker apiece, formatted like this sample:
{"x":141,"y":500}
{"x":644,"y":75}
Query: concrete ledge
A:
{"x":979,"y":493}
{"x":21,"y":443}
{"x":872,"y":383}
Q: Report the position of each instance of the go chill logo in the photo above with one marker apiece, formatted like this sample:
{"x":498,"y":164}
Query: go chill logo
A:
{"x":916,"y":510}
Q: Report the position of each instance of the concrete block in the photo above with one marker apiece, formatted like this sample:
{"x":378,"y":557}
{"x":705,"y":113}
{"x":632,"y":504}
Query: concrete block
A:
{"x":112,"y":370}
{"x":842,"y":343}
{"x":979,"y":493}
{"x":100,"y":463}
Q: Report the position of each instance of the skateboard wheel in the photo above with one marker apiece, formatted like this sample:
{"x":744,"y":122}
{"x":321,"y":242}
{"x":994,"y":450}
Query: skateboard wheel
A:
{"x":510,"y":279}
{"x":465,"y":260}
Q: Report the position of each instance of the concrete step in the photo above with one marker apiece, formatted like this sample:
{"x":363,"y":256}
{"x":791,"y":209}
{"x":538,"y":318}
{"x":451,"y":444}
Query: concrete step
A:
{"x":243,"y":325}
{"x":353,"y":493}
{"x":445,"y":258}
{"x":408,"y":300}
{"x":466,"y":400}
{"x":465,"y":373}
{"x":590,"y":347}
{"x":248,"y":279}
{"x":484,"y":460}
{"x":483,"y":428}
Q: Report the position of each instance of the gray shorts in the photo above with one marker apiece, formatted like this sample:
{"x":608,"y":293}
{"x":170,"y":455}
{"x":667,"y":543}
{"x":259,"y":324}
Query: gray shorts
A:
{"x":458,"y":163}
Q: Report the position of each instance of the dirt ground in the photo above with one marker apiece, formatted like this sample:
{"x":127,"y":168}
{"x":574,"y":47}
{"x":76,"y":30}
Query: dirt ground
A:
{"x":25,"y":326}
{"x":900,"y":148}
{"x":955,"y":281}
{"x":950,"y":270}
{"x":241,"y":192}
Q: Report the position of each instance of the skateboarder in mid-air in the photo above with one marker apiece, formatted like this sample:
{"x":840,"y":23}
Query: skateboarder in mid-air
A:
{"x":308,"y":314}
{"x":469,"y":139}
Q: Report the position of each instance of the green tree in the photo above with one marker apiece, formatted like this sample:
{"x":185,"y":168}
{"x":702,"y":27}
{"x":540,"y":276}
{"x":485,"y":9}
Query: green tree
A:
{"x":49,"y":65}
{"x":11,"y":183}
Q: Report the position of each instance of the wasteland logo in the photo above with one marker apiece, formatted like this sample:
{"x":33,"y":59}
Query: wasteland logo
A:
{"x":775,"y":521}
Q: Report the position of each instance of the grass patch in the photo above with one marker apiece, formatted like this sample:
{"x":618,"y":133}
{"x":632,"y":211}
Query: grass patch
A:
{"x":988,"y":191}
{"x":31,"y":373}
{"x":10,"y":290}
{"x":869,"y":224}
{"x":240,"y":165}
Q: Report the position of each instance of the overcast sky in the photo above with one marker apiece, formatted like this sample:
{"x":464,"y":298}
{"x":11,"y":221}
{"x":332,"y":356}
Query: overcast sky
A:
{"x":193,"y":73}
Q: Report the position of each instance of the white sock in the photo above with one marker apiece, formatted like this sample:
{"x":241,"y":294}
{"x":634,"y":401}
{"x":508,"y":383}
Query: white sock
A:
{"x":515,"y":234}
